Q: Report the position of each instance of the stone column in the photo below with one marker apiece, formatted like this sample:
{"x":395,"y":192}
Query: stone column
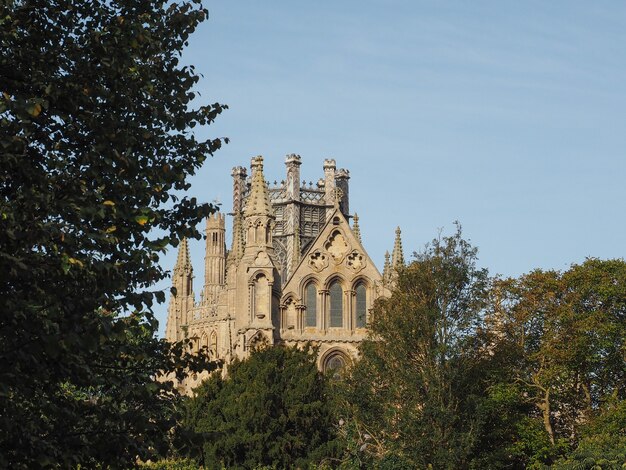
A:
{"x":323,"y":309}
{"x":329,"y":184}
{"x":342,"y":178}
{"x":292,"y":211}
{"x":349,"y":311}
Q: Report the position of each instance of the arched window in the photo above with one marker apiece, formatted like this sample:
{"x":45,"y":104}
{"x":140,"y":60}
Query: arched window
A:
{"x":336,"y":305}
{"x":335,"y":364}
{"x":310,"y":301}
{"x":361,"y":306}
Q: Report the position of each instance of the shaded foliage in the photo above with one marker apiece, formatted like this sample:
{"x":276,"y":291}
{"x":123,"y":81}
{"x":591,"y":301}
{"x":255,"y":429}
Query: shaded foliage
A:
{"x":464,"y":372}
{"x":95,"y":120}
{"x":273,"y":409}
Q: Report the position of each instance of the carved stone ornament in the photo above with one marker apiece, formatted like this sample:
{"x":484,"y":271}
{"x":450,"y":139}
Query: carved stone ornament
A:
{"x":355,"y":261}
{"x":318,"y":260}
{"x":337,"y":246}
{"x":262,"y":259}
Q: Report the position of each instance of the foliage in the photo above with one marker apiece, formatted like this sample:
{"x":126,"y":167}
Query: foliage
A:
{"x":172,"y":464}
{"x":603,"y":442}
{"x":272,"y":410}
{"x":414,"y":389}
{"x":95,"y":121}
{"x":566,"y":335}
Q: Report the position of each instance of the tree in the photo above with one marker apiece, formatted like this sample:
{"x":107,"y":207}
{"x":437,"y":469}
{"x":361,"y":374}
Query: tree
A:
{"x":273,"y":409}
{"x":414,"y":389}
{"x":603,"y":441}
{"x":566,"y":335}
{"x":95,"y":139}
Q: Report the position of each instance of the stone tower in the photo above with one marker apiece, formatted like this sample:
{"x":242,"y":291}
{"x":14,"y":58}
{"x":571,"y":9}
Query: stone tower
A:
{"x":214,"y":258}
{"x":296,"y":272}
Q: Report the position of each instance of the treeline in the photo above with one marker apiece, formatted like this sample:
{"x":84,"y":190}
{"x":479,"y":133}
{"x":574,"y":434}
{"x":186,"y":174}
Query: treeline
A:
{"x":460,"y":370}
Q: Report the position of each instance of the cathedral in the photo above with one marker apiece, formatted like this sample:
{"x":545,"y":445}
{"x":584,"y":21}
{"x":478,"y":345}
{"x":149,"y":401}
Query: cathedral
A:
{"x":296,"y":272}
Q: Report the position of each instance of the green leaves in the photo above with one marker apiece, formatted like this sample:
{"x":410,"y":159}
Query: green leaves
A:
{"x":87,"y":124}
{"x":271,"y":410}
{"x":415,"y":385}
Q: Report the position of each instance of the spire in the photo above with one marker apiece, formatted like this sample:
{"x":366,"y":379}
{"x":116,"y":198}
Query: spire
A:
{"x":386,"y":267}
{"x":356,"y":229}
{"x":238,"y":245}
{"x":259,"y":199}
{"x":183,"y":261}
{"x":397,"y":256}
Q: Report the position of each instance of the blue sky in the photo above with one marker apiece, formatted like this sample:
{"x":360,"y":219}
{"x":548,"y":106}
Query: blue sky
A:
{"x":507,"y":116}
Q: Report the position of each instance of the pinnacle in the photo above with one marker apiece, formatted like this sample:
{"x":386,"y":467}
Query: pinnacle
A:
{"x":259,"y":199}
{"x":355,"y":228}
{"x":236,"y":251}
{"x":387,"y":266}
{"x":183,"y":260}
{"x":397,"y":256}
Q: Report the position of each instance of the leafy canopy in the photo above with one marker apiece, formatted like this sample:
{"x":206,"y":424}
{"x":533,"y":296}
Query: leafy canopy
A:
{"x":412,"y":390}
{"x":96,"y":113}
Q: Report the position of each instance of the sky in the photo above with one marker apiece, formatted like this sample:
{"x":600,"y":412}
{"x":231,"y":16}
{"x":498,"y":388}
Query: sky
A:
{"x":509,"y":117}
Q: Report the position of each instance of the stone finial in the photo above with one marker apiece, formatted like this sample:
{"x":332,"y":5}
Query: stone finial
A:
{"x":397,"y":256}
{"x":293,"y":159}
{"x":259,"y":199}
{"x":330,"y":164}
{"x":355,"y":228}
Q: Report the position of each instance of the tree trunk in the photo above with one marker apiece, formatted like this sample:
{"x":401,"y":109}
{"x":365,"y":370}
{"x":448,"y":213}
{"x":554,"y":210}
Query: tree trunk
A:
{"x":545,"y":410}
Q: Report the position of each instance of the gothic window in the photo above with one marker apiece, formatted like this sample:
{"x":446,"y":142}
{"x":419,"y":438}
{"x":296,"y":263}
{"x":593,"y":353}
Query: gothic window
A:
{"x":336,"y":305}
{"x":361,"y":306}
{"x":334,"y":364}
{"x":311,"y":305}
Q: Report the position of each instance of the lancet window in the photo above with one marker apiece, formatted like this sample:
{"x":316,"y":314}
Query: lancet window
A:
{"x":336,"y":304}
{"x":361,"y":305}
{"x":310,"y":318}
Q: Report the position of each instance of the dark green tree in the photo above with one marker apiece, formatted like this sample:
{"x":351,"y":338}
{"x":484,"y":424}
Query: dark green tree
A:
{"x":273,"y":409}
{"x":95,"y":142}
{"x":414,"y":391}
